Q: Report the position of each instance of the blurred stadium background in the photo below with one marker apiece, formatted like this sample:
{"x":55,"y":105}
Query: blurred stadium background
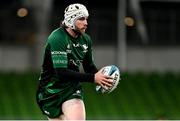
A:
{"x":140,"y":36}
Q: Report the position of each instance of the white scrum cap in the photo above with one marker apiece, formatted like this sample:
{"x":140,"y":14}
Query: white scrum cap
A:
{"x":74,"y":12}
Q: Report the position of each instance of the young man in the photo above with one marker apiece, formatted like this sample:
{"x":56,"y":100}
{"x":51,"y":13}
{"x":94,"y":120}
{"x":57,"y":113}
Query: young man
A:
{"x":59,"y":94}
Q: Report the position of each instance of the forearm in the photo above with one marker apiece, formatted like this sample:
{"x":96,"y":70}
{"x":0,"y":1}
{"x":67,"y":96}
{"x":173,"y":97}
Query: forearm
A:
{"x":70,"y":75}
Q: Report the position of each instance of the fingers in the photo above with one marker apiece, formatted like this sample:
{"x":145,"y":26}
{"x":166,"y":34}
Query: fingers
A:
{"x":107,"y":82}
{"x":108,"y":77}
{"x":104,"y":86}
{"x":103,"y":80}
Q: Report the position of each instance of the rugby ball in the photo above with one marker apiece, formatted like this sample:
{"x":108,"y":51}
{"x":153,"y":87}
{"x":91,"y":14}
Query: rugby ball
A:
{"x":112,"y":71}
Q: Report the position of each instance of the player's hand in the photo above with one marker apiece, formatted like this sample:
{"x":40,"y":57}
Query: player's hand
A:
{"x":103,"y":80}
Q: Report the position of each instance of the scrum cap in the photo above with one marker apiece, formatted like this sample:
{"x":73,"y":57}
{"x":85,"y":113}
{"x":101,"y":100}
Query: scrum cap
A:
{"x":74,"y":12}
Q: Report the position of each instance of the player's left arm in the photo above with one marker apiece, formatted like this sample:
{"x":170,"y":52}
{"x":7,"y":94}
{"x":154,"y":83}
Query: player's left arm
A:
{"x":88,"y":62}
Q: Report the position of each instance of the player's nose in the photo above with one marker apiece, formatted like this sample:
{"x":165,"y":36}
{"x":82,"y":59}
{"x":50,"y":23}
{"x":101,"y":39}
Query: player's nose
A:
{"x":85,"y":22}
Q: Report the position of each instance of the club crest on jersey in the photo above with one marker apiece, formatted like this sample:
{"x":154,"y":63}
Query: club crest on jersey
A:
{"x":68,"y":49}
{"x":68,"y":46}
{"x":85,"y":47}
{"x":76,"y":45}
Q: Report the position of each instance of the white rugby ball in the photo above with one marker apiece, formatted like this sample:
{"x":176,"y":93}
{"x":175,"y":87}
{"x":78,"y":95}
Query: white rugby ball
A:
{"x":112,"y":71}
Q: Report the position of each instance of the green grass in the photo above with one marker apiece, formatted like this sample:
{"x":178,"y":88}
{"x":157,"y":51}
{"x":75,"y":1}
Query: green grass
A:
{"x":18,"y":96}
{"x":138,"y":96}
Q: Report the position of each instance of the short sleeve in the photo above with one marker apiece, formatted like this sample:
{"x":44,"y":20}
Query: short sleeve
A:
{"x":58,"y":52}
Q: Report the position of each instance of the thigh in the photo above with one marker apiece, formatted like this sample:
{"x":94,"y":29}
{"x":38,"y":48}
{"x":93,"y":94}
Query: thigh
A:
{"x":74,"y":109}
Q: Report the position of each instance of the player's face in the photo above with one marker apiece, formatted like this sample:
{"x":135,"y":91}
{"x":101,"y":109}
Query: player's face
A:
{"x":81,"y":25}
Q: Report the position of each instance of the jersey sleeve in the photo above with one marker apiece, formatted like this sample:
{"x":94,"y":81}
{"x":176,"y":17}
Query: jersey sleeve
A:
{"x":58,"y":51}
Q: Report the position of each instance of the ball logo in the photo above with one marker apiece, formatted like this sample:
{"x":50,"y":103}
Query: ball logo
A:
{"x":115,"y":77}
{"x":105,"y":70}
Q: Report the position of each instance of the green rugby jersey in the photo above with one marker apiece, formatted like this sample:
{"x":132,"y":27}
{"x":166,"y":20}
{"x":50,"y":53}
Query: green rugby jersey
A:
{"x":64,"y":51}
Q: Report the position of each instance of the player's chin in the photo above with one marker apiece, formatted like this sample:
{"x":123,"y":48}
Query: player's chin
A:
{"x":82,"y":31}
